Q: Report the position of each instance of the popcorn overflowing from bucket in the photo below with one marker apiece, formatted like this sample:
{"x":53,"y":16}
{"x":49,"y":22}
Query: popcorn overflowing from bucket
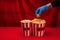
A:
{"x":37,"y":28}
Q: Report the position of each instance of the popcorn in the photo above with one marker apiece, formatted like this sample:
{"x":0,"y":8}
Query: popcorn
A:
{"x":26,"y":21}
{"x":38,"y":21}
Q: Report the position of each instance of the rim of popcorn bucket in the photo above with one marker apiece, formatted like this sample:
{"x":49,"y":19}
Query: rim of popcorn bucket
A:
{"x":39,"y":22}
{"x":25,"y":21}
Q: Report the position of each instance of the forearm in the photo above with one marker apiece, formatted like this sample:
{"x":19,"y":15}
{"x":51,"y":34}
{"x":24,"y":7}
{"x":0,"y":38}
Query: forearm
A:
{"x":55,"y":3}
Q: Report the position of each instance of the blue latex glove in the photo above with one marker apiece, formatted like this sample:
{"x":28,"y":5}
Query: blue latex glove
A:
{"x":41,"y":9}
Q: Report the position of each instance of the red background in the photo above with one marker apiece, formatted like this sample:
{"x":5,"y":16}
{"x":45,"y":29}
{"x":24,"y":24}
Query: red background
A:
{"x":12,"y":11}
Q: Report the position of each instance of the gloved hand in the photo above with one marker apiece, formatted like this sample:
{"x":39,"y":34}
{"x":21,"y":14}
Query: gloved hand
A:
{"x":40,"y":10}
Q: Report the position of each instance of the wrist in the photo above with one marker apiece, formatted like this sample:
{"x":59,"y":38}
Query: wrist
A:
{"x":49,"y":5}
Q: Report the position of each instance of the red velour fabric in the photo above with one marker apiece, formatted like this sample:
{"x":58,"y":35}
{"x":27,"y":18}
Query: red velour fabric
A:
{"x":12,"y":11}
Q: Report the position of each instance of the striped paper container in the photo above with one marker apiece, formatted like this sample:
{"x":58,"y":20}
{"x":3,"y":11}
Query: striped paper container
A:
{"x":26,"y":27}
{"x":38,"y":29}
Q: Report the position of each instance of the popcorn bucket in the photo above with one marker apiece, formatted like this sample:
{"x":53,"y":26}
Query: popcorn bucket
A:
{"x":38,"y":27}
{"x":26,"y":27}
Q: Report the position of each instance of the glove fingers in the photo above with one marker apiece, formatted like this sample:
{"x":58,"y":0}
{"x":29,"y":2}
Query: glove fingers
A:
{"x":37,"y":11}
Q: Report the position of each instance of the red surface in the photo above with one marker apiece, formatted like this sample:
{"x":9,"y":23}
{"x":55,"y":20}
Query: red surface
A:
{"x":12,"y":11}
{"x":15,"y":33}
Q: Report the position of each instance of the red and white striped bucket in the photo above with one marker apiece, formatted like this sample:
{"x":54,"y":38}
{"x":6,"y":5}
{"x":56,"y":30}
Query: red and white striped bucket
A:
{"x":26,"y":27}
{"x":38,"y":29}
